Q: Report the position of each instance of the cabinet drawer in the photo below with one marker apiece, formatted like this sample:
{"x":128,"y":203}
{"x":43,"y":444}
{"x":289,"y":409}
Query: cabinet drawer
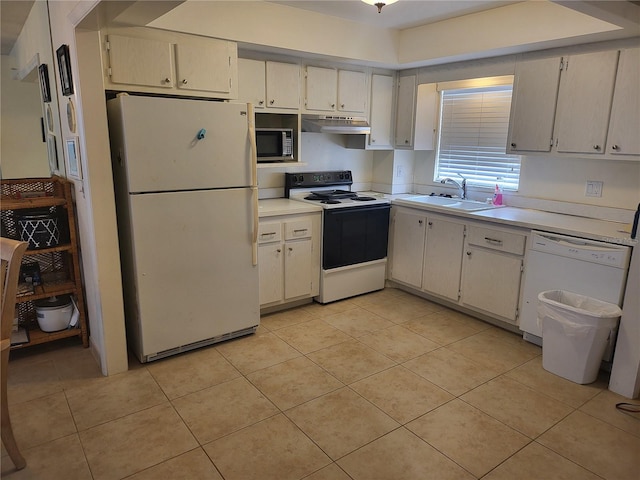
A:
{"x":297,"y":229}
{"x":269,"y":232}
{"x":496,"y":239}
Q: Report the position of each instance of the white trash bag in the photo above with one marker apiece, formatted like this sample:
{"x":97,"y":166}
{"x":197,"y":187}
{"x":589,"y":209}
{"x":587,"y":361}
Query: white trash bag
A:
{"x":575,"y":333}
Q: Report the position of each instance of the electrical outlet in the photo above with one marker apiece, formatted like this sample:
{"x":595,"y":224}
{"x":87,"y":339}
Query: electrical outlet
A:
{"x":399,"y":171}
{"x":593,"y":189}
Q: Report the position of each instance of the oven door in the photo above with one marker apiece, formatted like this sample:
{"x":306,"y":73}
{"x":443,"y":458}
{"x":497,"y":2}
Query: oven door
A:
{"x":354,"y":235}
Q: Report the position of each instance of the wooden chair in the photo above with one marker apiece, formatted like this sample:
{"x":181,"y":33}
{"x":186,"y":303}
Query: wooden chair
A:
{"x":11,"y":252}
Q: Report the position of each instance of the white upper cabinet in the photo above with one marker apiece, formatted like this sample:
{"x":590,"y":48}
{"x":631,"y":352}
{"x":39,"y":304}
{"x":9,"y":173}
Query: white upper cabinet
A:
{"x":576,"y":105}
{"x":251,"y":82}
{"x":283,"y":85}
{"x":405,"y":111}
{"x":165,"y":62}
{"x":321,"y":88}
{"x":352,"y":91}
{"x":333,"y":90}
{"x":624,"y":127}
{"x":205,"y":65}
{"x":416,"y":114}
{"x":381,"y":111}
{"x":139,"y":61}
{"x":584,"y":102}
{"x":533,"y":105}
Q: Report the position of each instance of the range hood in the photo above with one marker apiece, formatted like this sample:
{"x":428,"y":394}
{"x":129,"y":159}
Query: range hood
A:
{"x":335,"y":124}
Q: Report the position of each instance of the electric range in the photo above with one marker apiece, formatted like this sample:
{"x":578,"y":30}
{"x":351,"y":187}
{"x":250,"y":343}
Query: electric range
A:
{"x":355,"y":230}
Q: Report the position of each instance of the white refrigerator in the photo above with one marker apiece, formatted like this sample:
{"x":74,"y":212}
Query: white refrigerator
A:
{"x":186,"y":196}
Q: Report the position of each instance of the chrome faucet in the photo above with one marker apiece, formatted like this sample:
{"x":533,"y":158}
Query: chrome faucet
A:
{"x":462,"y":186}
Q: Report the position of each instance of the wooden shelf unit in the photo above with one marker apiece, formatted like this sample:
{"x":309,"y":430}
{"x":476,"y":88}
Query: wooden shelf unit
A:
{"x":60,"y":267}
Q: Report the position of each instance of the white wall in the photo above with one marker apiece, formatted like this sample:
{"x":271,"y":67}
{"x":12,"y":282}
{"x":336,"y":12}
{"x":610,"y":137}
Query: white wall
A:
{"x":94,"y":192}
{"x":34,"y":42}
{"x":319,"y":152}
{"x":23,"y":154}
{"x":560,"y":179}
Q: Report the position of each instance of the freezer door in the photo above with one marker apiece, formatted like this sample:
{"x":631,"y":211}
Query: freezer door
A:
{"x":168,"y":144}
{"x":192,"y":267}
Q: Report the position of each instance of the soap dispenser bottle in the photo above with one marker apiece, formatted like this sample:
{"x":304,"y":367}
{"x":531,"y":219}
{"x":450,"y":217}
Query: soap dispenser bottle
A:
{"x":497,"y":196}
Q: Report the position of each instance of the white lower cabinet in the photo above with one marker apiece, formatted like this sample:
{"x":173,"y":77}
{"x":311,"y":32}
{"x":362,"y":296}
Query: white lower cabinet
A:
{"x":472,"y":265}
{"x":491,"y":282}
{"x":288,"y":258}
{"x":442,"y":257}
{"x":407,"y":246}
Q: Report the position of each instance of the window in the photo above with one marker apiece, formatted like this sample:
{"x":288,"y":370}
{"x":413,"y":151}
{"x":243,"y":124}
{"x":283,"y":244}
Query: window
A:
{"x":474,"y":121}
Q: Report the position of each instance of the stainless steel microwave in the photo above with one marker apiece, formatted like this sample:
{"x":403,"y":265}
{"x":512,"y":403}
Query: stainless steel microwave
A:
{"x":274,"y":144}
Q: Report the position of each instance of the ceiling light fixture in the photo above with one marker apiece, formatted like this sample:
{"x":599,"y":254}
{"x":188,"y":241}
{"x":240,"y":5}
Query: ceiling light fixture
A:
{"x":379,"y":3}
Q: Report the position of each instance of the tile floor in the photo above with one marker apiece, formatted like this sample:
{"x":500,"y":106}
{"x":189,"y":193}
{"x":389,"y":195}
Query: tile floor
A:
{"x":382,"y":386}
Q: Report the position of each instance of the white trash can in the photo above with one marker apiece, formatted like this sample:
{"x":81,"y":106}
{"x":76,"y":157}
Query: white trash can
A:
{"x":575,"y":333}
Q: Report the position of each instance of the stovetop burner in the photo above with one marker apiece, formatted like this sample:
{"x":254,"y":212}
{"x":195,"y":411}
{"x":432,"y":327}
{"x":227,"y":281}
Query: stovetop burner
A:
{"x":363,"y":199}
{"x":330,"y":190}
{"x":330,"y":195}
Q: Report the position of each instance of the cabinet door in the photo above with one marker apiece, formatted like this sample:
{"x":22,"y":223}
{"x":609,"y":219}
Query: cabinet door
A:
{"x":427,"y":99}
{"x":584,"y":100}
{"x":205,"y":66}
{"x":491,"y":282}
{"x":533,"y":105}
{"x":408,"y":248}
{"x":381,"y":110}
{"x":270,"y":263}
{"x":321,"y":89}
{"x":297,"y":268}
{"x":251,"y":82}
{"x":138,"y":61}
{"x":405,"y":111}
{"x":624,"y":127}
{"x":352,"y":91}
{"x":443,"y":258}
{"x":283,"y":85}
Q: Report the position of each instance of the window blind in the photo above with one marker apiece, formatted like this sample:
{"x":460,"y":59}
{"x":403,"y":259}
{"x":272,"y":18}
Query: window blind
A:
{"x":473,"y":135}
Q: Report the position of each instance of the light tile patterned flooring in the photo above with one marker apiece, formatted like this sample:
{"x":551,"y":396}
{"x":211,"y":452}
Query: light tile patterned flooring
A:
{"x":383,"y":386}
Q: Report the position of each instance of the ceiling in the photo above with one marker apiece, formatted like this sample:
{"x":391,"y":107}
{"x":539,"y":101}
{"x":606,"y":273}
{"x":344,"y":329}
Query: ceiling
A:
{"x":13,"y":15}
{"x":403,"y":14}
{"x":400,"y":15}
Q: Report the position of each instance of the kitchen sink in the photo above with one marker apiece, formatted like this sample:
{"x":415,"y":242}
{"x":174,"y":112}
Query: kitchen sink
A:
{"x":447,"y":202}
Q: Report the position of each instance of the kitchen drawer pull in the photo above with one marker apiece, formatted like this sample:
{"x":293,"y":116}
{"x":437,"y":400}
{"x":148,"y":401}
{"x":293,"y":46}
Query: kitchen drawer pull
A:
{"x":268,"y":234}
{"x":300,"y":230}
{"x":493,"y":241}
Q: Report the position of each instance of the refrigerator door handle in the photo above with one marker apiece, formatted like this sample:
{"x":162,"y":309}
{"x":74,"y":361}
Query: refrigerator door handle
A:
{"x":254,"y":180}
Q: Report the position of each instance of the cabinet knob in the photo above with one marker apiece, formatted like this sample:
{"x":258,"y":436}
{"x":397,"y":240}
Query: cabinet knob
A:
{"x":278,"y":251}
{"x":419,"y":222}
{"x":184,"y":81}
{"x":373,"y":140}
{"x":167,"y":80}
{"x":596,"y":147}
{"x":261,"y":102}
{"x":342,"y":105}
{"x":406,"y":141}
{"x":430,"y":224}
{"x":333,"y":105}
{"x":290,"y":249}
{"x":513,"y":145}
{"x":271,"y":102}
{"x":468,"y":254}
{"x":615,"y":147}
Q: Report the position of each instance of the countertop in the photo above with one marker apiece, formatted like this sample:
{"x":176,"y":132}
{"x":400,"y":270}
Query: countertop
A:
{"x":590,"y":228}
{"x":272,"y":207}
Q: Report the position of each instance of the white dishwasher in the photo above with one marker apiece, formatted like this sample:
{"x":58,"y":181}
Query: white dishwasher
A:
{"x":559,"y":262}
